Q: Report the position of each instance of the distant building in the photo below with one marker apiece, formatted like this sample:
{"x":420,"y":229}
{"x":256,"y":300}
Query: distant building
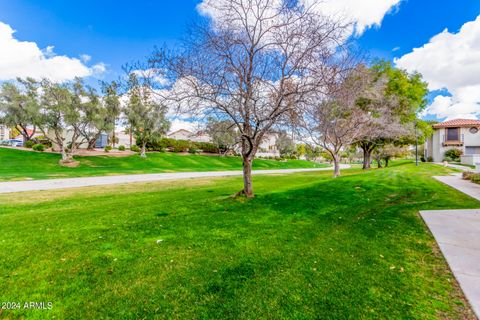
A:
{"x":268,"y":147}
{"x":4,"y":132}
{"x":184,"y":134}
{"x":461,"y":134}
{"x":181,"y":134}
{"x":30,"y":133}
{"x":125,"y":139}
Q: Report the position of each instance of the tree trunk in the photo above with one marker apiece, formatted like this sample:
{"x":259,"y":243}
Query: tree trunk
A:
{"x":247,"y":176}
{"x":379,"y":162}
{"x":113,"y":135}
{"x":386,"y":162}
{"x":367,"y":148}
{"x":143,"y":154}
{"x":67,"y":156}
{"x":367,"y":159}
{"x":91,"y":144}
{"x":64,"y":153}
{"x":336,"y":166}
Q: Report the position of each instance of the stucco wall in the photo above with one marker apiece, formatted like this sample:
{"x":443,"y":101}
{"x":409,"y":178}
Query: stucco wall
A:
{"x":435,"y":146}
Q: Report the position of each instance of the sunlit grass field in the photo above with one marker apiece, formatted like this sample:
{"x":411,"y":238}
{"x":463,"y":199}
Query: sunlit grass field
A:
{"x":306,"y":247}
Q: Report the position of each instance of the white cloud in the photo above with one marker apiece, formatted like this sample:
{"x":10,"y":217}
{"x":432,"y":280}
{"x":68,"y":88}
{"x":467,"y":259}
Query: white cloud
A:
{"x":26,"y":59}
{"x":154,"y":74}
{"x":177,"y":124}
{"x":85,"y":58}
{"x":363,"y":13}
{"x":450,"y":61}
{"x":99,"y":68}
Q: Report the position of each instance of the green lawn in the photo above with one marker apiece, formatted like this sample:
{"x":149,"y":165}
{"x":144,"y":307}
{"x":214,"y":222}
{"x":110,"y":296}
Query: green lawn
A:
{"x":307,"y":247}
{"x":21,"y":165}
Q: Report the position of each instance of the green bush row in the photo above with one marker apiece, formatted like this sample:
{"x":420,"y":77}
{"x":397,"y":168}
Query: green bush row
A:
{"x":38,"y":147}
{"x":38,"y":140}
{"x":174,"y":145}
{"x":472,"y":176}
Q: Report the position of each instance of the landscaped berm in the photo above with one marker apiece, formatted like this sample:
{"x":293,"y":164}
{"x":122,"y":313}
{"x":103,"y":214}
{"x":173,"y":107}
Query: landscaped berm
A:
{"x":306,"y":247}
{"x":26,"y":165}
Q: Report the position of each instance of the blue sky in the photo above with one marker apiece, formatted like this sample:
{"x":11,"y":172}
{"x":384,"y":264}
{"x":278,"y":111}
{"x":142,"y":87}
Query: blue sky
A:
{"x":115,"y":32}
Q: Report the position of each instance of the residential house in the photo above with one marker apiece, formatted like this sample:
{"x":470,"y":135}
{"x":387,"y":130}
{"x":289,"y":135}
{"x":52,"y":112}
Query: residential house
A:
{"x":184,"y":134}
{"x":181,"y":134}
{"x":462,"y":134}
{"x":4,"y":132}
{"x":125,"y":138}
{"x":30,"y":132}
{"x":268,"y":146}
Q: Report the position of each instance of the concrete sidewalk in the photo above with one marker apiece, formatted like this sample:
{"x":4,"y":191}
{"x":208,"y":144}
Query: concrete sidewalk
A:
{"x":33,"y":185}
{"x":457,"y":233}
{"x":455,"y":166}
{"x":455,"y":181}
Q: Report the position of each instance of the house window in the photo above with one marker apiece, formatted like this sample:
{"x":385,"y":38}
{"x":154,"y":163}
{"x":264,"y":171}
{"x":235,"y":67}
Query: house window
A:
{"x":453,"y":134}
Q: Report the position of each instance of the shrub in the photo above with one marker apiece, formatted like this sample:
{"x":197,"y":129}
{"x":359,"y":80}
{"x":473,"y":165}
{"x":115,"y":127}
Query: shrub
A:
{"x":193,"y":150}
{"x":38,"y":147}
{"x":165,"y":143}
{"x":181,"y":146}
{"x":207,"y":147}
{"x":29,"y":144}
{"x":472,"y":176}
{"x":159,"y":144}
{"x":43,"y":140}
{"x":475,"y":178}
{"x":453,"y":155}
{"x":467,"y":175}
{"x":429,"y":159}
{"x":108,"y":148}
{"x":135,"y":148}
{"x":422,"y":158}
{"x":121,"y":148}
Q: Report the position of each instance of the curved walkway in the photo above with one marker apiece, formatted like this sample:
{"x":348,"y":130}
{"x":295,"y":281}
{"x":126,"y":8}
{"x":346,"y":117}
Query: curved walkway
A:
{"x":35,"y":185}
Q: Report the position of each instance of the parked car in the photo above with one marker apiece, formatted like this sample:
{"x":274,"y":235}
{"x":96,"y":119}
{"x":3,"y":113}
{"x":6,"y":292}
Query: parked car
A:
{"x":12,"y":143}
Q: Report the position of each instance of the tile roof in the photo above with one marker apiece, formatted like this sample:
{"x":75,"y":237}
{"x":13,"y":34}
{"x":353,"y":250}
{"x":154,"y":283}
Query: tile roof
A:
{"x":458,"y":123}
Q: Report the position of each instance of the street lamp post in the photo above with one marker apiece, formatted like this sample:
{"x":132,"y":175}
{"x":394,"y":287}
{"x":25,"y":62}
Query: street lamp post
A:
{"x":416,"y":145}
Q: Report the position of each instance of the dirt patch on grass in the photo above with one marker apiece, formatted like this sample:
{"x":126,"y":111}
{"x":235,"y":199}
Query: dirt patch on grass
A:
{"x":69,"y":163}
{"x":101,"y":152}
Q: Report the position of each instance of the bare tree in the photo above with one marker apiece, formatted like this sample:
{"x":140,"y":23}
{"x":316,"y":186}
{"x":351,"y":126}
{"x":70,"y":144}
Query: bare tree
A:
{"x":253,"y":63}
{"x":383,"y":128}
{"x":335,"y":120}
